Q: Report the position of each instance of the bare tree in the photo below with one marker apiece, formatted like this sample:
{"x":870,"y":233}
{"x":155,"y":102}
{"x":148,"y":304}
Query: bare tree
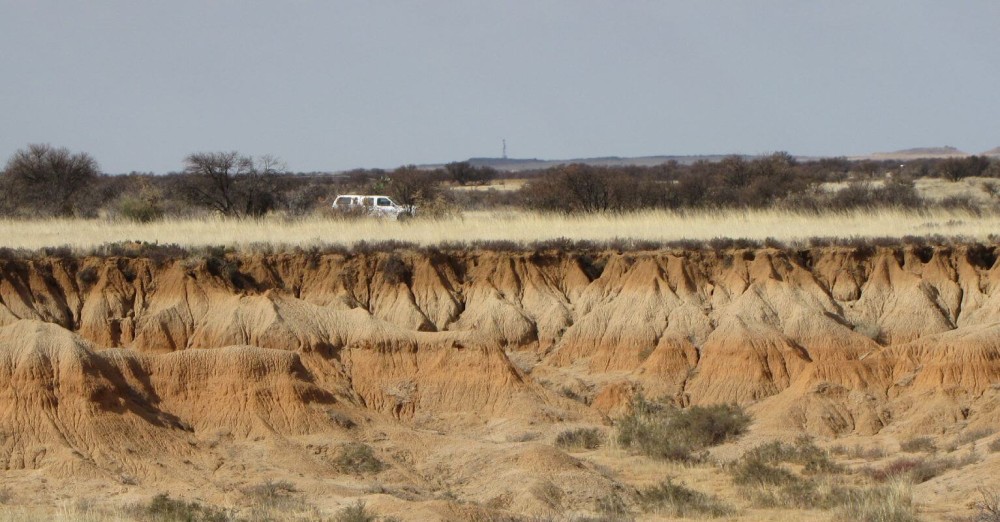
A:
{"x":231,"y":184}
{"x":45,"y":180}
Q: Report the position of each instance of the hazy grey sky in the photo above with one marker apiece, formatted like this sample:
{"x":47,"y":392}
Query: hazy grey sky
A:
{"x":335,"y":85}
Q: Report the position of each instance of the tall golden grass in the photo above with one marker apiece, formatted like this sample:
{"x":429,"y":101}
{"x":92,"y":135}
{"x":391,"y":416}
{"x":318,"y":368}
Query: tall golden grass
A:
{"x":524,"y":227}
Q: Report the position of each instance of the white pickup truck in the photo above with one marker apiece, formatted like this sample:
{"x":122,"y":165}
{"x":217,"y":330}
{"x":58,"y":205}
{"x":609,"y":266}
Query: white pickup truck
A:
{"x":374,"y":205}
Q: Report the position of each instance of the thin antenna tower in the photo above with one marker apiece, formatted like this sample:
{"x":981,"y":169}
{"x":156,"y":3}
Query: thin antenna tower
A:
{"x":505,"y":148}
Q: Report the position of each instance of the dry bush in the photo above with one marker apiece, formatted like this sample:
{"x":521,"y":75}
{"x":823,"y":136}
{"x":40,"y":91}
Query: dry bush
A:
{"x":356,"y":513}
{"x":677,"y":500}
{"x":919,"y":470}
{"x":549,"y":494}
{"x":357,"y":458}
{"x":664,"y":431}
{"x":341,"y":419}
{"x":994,"y":446}
{"x":804,"y":451}
{"x":974,"y":435}
{"x":918,"y":444}
{"x":858,"y":451}
{"x":987,"y":507}
{"x":613,"y":507}
{"x":580,"y":439}
{"x":162,"y":508}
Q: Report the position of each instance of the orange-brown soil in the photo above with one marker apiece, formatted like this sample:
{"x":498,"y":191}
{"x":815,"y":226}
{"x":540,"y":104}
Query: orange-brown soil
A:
{"x":121,"y":378}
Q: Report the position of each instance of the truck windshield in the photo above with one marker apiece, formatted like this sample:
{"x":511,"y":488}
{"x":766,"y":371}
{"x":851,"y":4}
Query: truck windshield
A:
{"x":384,"y":202}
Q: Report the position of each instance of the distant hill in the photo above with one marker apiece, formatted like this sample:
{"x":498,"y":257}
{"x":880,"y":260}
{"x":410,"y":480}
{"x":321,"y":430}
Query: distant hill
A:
{"x":919,"y":152}
{"x":521,"y":164}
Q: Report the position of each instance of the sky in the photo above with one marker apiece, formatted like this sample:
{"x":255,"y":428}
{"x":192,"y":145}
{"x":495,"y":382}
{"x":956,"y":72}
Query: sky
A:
{"x":336,"y":85}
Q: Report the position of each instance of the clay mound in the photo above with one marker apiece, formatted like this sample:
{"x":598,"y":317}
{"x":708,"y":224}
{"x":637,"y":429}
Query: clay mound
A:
{"x":68,"y":410}
{"x":533,"y":479}
{"x":243,"y":390}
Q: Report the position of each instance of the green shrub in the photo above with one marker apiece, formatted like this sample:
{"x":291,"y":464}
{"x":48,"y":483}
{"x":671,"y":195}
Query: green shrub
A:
{"x":918,"y":444}
{"x":357,"y":458}
{"x":580,"y":438}
{"x":677,"y":500}
{"x":139,"y":210}
{"x":666,"y":432}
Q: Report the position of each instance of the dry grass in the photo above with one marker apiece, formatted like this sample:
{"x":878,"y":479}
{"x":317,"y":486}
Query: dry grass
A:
{"x":659,"y":226}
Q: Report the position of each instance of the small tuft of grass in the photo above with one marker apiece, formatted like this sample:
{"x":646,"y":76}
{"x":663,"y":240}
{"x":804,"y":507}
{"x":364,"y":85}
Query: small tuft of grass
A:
{"x":357,"y":458}
{"x":356,"y":513}
{"x":677,"y":500}
{"x":888,"y":503}
{"x":994,"y":446}
{"x":549,"y":494}
{"x":580,"y":439}
{"x":612,"y":506}
{"x":988,"y":506}
{"x":918,"y":445}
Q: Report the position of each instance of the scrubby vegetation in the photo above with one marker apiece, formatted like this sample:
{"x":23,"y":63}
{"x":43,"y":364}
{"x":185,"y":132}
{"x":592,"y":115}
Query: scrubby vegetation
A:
{"x":677,"y":500}
{"x":358,"y":512}
{"x":43,"y":181}
{"x":357,"y":458}
{"x":162,"y":508}
{"x":918,"y":470}
{"x":918,"y":444}
{"x":814,"y":481}
{"x":888,"y":503}
{"x":580,"y":439}
{"x":664,"y":431}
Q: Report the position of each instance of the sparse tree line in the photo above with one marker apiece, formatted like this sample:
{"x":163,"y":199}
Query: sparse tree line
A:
{"x":44,"y":181}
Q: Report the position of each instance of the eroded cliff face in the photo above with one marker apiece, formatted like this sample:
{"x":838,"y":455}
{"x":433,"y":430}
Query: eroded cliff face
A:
{"x":101,"y":354}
